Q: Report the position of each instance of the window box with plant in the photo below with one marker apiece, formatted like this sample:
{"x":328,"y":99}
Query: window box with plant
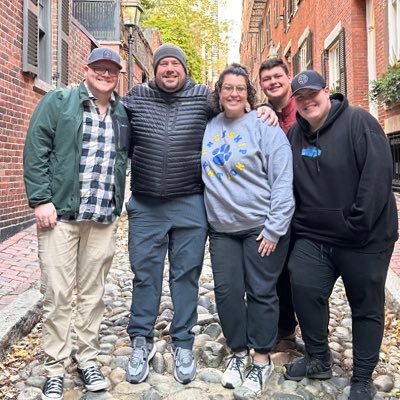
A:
{"x":386,"y":89}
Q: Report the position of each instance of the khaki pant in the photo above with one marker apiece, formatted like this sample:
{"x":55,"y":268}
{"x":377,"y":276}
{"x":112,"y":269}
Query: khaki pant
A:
{"x":73,"y":255}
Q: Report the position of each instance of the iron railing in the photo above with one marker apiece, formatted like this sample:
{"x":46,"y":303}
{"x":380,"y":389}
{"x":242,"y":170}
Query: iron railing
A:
{"x":100,"y":17}
{"x":394,"y":140}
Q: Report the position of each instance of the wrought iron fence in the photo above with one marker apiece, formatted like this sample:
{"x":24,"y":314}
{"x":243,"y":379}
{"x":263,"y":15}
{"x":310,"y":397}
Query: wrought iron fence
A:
{"x":100,"y":17}
{"x":394,"y":140}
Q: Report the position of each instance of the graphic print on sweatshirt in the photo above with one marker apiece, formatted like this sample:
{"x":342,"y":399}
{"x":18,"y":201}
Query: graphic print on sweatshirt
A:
{"x":223,"y":155}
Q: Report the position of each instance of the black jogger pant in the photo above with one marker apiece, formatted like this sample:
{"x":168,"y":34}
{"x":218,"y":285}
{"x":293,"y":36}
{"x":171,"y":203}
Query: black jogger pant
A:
{"x":314,"y":269}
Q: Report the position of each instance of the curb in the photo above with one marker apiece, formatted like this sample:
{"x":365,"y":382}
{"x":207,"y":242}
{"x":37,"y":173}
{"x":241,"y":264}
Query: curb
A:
{"x":19,"y":317}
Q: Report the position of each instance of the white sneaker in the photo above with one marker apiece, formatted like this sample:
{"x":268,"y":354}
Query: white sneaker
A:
{"x":255,"y":381}
{"x":235,"y":372}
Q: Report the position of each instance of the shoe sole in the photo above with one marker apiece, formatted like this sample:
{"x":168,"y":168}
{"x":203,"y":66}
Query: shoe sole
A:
{"x":184,"y":381}
{"x":146,"y":374}
{"x":97,"y":386}
{"x":320,"y":375}
{"x":44,"y":397}
{"x":230,"y":385}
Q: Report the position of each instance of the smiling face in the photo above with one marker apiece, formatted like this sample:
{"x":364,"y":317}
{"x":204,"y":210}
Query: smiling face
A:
{"x":170,"y":75}
{"x":233,"y":95}
{"x":313,"y":106}
{"x":275,"y":84}
{"x":102,"y":77}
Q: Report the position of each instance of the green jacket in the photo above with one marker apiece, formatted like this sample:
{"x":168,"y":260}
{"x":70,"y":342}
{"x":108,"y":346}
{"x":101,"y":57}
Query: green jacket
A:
{"x":53,"y":150}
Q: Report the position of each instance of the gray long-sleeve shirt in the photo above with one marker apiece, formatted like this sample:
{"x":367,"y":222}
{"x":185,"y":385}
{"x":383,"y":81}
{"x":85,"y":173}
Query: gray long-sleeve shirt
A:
{"x":247,"y":171}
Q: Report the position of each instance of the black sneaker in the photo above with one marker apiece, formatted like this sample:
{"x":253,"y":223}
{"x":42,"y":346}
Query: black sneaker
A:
{"x":93,"y":378}
{"x":309,"y":367}
{"x":53,"y":388}
{"x":362,"y":389}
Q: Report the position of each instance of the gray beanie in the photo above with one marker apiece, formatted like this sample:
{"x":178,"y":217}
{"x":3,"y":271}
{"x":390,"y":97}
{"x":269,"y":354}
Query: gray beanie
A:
{"x":169,"y":50}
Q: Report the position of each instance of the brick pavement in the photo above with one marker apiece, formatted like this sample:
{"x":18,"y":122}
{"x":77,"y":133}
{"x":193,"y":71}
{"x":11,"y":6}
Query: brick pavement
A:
{"x":19,"y":268}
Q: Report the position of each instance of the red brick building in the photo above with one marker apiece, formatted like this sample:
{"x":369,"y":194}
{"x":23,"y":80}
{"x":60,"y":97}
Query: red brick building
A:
{"x":350,"y":42}
{"x":43,"y":46}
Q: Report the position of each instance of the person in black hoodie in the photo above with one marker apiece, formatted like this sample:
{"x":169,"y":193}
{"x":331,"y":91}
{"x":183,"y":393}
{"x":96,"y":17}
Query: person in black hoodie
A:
{"x":345,"y":225}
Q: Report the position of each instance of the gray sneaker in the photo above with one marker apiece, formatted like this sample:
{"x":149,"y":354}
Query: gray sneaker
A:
{"x":185,"y":365}
{"x":255,"y":381}
{"x":142,"y":353}
{"x":235,"y":372}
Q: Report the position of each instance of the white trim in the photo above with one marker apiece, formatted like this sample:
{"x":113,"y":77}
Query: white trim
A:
{"x":304,"y":36}
{"x":333,"y":35}
{"x":287,"y":48}
{"x":371,"y":51}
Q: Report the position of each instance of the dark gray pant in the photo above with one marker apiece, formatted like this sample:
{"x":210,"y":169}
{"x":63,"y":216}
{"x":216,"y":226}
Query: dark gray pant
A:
{"x":239,"y":270}
{"x":314,"y":269}
{"x":178,"y":225}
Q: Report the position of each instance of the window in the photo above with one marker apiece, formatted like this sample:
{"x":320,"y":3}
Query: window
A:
{"x":334,"y":67}
{"x":333,"y":60}
{"x":394,"y":29}
{"x":269,"y":32}
{"x":38,"y":40}
{"x":44,"y":72}
{"x":303,"y":60}
{"x":277,"y":13}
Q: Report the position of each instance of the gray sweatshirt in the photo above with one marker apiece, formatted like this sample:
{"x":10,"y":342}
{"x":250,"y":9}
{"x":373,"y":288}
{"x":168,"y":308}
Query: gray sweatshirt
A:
{"x":247,"y":171}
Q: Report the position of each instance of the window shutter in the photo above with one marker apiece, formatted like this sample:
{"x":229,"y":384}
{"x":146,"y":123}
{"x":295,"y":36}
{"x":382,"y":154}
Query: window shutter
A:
{"x":296,"y":63}
{"x":30,"y":46}
{"x":342,"y":62}
{"x":309,"y":62}
{"x":285,"y":16}
{"x":323,"y":63}
{"x":64,"y":41}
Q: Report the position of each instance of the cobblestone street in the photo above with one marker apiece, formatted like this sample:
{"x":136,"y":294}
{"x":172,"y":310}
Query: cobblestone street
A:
{"x":24,"y":382}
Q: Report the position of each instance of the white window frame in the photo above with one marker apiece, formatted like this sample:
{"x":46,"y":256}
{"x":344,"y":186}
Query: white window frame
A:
{"x":394,"y":30}
{"x":334,"y":66}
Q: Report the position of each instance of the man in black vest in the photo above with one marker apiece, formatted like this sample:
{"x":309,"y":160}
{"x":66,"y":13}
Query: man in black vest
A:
{"x":166,"y":210}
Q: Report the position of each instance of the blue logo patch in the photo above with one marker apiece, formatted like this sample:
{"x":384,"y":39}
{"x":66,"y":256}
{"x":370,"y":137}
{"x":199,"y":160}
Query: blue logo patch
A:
{"x":222,"y":154}
{"x":311,"y":152}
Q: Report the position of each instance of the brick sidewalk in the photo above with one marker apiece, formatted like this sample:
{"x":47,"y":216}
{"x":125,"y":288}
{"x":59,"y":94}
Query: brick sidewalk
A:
{"x":19,"y":267}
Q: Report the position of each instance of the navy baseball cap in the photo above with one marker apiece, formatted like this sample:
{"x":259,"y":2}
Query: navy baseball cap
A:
{"x":104,"y":54}
{"x":308,"y":80}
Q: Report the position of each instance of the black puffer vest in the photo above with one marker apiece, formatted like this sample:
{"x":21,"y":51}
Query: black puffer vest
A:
{"x":167,"y":136}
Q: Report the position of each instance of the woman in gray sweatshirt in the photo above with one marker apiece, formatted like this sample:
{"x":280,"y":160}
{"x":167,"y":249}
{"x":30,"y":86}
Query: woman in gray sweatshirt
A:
{"x":247,"y":173}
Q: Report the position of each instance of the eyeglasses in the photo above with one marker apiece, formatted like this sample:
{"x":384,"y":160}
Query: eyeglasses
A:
{"x":102,"y":70}
{"x":228,"y":89}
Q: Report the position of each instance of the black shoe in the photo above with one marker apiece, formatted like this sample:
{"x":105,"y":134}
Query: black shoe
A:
{"x":53,"y":388}
{"x":309,"y":367}
{"x":93,"y":378}
{"x":362,"y":389}
{"x":286,"y":334}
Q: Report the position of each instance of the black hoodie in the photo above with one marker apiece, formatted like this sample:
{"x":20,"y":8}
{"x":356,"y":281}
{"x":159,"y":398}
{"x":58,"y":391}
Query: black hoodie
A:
{"x":343,"y":180}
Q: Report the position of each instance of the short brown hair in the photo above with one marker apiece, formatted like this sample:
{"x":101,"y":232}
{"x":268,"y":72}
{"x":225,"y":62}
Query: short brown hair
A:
{"x":272,"y":63}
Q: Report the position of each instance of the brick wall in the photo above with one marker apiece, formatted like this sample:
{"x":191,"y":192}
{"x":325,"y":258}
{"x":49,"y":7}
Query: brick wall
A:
{"x":19,"y":95}
{"x":321,"y":17}
{"x":17,"y":101}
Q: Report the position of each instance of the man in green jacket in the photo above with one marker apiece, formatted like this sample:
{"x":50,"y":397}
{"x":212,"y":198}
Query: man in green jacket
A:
{"x":75,"y":159}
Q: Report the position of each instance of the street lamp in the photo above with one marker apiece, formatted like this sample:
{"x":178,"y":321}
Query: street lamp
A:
{"x":131,"y":10}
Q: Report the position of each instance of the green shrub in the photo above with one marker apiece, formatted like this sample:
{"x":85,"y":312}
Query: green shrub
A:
{"x":386,"y":89}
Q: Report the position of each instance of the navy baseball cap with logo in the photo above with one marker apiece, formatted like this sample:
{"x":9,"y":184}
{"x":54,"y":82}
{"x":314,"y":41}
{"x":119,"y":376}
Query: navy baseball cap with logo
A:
{"x":104,"y":54}
{"x":308,"y":80}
